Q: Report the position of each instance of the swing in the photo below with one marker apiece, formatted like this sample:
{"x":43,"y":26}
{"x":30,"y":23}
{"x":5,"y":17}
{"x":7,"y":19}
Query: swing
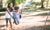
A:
{"x":46,"y":20}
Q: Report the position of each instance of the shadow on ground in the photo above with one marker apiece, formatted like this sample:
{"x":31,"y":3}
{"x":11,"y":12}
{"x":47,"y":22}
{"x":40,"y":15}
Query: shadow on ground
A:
{"x":42,"y":14}
{"x":2,"y":26}
{"x":2,"y":18}
{"x":2,"y":29}
{"x":38,"y":28}
{"x":44,"y":21}
{"x":32,"y":28}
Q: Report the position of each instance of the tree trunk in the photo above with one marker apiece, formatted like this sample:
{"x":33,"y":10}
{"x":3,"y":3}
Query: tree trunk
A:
{"x":0,"y":3}
{"x":47,"y":3}
{"x":14,"y":3}
{"x":35,"y":5}
{"x":42,"y":3}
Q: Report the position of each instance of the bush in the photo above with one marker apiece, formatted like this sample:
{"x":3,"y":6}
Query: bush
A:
{"x":36,"y":3}
{"x":2,"y":9}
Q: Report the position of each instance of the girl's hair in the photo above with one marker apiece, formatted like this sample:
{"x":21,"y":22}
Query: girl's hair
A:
{"x":16,"y":7}
{"x":8,"y":5}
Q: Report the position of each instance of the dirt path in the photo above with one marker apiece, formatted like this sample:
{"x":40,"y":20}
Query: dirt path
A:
{"x":29,"y":21}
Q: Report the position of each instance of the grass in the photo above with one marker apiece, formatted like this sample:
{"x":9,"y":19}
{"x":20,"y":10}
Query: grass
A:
{"x":43,"y":14}
{"x":36,"y":10}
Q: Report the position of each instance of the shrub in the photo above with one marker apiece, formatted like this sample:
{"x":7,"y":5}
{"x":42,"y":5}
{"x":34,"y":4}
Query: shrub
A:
{"x":2,"y":9}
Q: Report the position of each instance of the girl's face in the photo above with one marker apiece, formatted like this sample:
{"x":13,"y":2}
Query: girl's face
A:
{"x":11,"y":5}
{"x":16,"y":10}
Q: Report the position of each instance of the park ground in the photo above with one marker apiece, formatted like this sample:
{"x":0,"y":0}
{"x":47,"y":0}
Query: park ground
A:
{"x":32,"y":19}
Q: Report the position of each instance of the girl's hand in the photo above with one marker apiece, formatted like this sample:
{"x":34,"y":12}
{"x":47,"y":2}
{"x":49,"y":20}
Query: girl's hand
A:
{"x":12,"y":17}
{"x":13,"y":21}
{"x":20,"y":12}
{"x":13,"y":8}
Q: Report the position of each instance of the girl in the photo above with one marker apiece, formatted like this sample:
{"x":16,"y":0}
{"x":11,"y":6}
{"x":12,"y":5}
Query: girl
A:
{"x":9,"y":14}
{"x":16,"y":15}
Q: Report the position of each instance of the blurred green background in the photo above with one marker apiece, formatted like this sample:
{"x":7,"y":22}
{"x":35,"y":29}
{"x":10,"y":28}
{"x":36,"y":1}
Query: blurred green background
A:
{"x":28,"y":3}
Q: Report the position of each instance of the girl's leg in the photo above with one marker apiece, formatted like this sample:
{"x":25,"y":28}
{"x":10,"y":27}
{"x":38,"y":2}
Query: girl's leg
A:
{"x":17,"y":22}
{"x":6,"y":23}
{"x":10,"y":23}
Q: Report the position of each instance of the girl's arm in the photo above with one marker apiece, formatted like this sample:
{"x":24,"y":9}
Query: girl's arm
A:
{"x":8,"y":12}
{"x":13,"y":17}
{"x":13,"y":12}
{"x":13,"y":8}
{"x":21,"y":11}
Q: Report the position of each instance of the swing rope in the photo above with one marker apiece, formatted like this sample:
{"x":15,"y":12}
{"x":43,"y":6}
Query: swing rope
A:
{"x":46,"y":20}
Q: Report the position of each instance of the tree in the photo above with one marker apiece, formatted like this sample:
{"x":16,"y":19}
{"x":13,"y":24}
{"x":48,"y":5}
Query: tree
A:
{"x":14,"y":3}
{"x":42,"y":1}
{"x":11,"y":1}
{"x":47,"y":3}
{"x":0,"y":3}
{"x":19,"y":1}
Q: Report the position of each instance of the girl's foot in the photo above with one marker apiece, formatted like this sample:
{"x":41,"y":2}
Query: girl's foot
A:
{"x":10,"y":29}
{"x":7,"y":29}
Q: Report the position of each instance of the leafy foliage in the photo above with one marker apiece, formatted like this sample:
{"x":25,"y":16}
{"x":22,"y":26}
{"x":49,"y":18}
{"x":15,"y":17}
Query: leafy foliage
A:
{"x":36,"y":3}
{"x":9,"y":1}
{"x":2,"y":9}
{"x":20,"y":1}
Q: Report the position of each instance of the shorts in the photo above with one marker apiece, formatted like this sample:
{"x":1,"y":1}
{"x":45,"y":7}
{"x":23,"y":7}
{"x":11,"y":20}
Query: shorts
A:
{"x":16,"y":19}
{"x":8,"y":18}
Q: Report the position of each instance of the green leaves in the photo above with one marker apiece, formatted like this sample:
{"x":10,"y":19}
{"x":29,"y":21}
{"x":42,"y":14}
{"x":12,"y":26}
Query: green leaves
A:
{"x":17,"y":1}
{"x":20,"y":1}
{"x":9,"y":1}
{"x":0,"y":2}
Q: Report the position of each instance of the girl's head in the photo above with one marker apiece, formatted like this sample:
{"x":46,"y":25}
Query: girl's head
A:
{"x":10,"y":5}
{"x":16,"y":8}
